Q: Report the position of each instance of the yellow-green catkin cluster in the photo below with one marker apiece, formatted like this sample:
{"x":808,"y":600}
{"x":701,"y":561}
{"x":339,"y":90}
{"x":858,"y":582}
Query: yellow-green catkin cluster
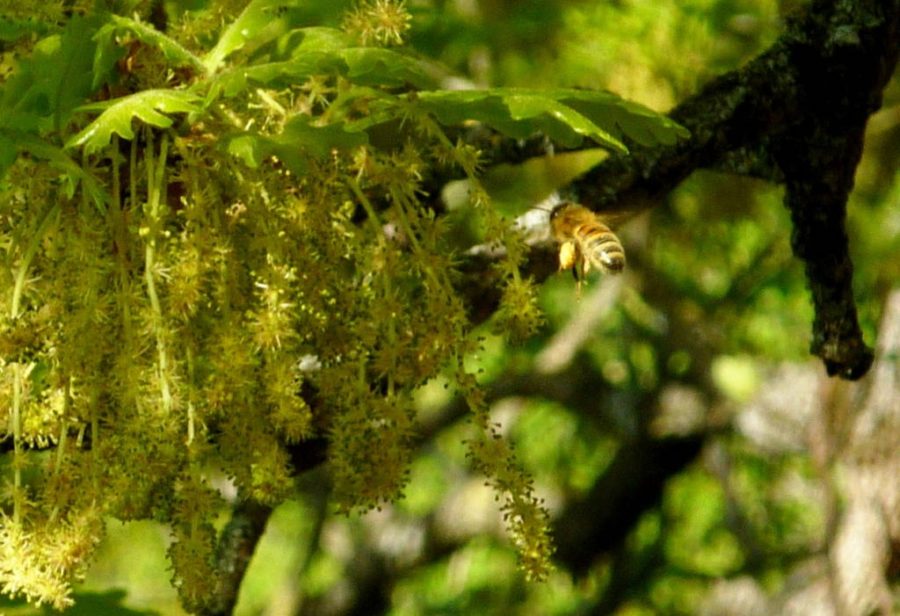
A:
{"x":210,"y":317}
{"x":527,"y":520}
{"x":378,"y":22}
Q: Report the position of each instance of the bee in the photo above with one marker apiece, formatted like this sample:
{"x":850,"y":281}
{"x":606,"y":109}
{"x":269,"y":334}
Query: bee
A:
{"x":585,"y":241}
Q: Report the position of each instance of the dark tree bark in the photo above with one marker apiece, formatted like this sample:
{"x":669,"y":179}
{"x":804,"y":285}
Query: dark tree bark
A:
{"x":234,"y":552}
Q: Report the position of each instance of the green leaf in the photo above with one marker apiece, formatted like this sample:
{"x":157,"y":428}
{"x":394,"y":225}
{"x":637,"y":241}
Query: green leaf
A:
{"x":302,"y":40}
{"x":298,"y":141}
{"x":259,"y":23}
{"x":149,"y":106}
{"x":321,"y":51}
{"x":171,"y":49}
{"x":567,"y":116}
{"x":295,"y":56}
{"x":558,"y":119}
{"x":373,"y":66}
{"x":251,"y":148}
{"x":276,"y":74}
{"x":623,"y":117}
{"x":58,"y":77}
{"x":106,"y":56}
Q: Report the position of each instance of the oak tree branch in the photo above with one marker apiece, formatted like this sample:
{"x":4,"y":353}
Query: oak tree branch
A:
{"x":794,"y":115}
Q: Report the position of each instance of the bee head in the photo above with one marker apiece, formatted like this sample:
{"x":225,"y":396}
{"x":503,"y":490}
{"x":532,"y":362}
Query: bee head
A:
{"x":558,"y":209}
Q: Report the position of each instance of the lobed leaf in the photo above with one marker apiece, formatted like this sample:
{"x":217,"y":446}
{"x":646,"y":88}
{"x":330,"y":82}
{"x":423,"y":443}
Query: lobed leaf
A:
{"x":149,"y":106}
{"x":294,"y":57}
{"x":275,"y":74}
{"x":624,"y":117}
{"x":565,"y":115}
{"x":559,"y":120}
{"x":259,"y":22}
{"x":361,"y":65}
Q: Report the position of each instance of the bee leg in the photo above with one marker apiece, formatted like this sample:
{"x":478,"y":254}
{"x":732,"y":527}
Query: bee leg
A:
{"x":579,"y":271}
{"x":568,"y":255}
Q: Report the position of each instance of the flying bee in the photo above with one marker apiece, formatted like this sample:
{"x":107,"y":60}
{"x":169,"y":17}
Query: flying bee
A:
{"x":585,"y":241}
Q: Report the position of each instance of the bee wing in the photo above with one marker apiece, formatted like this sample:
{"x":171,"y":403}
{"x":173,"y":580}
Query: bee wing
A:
{"x":614,"y":218}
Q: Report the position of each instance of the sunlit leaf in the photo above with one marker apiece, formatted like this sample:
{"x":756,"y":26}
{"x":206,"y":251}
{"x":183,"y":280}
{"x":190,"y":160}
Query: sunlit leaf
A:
{"x":296,"y":56}
{"x":531,"y":107}
{"x":275,"y":74}
{"x":624,"y":117}
{"x":564,"y":115}
{"x":258,"y":23}
{"x":361,"y":65}
{"x":149,"y":106}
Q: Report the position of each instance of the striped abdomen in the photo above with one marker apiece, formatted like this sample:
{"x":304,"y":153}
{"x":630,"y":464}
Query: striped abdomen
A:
{"x":600,"y":246}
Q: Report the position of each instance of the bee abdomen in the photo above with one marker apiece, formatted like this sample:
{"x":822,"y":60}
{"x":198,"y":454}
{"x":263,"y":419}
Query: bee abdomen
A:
{"x":604,"y":249}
